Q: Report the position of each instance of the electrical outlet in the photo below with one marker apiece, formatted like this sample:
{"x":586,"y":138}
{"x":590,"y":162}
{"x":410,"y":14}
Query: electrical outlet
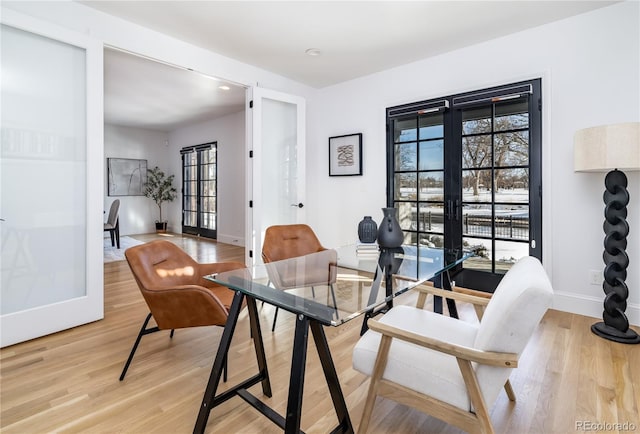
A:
{"x":595,"y":277}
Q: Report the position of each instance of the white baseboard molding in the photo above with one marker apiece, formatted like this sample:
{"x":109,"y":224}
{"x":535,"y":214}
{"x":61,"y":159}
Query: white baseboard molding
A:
{"x":231,"y":239}
{"x":590,"y":306}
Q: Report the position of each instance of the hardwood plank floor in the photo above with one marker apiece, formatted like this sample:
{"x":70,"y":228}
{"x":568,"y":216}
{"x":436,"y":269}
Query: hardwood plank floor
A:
{"x":68,"y":382}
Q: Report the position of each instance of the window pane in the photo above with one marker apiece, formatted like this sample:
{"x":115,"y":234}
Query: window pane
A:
{"x":512,"y":115}
{"x":431,"y":155}
{"x":407,"y":216}
{"x":483,"y":254}
{"x":512,"y":185}
{"x":406,"y":187}
{"x":431,"y":126}
{"x":405,"y":130}
{"x":477,"y":120}
{"x":476,"y":220}
{"x":507,"y":253}
{"x":476,"y":185}
{"x":406,"y":156}
{"x":432,"y":186}
{"x":431,"y":217}
{"x":512,"y":149}
{"x":189,"y":218}
{"x":430,"y":240}
{"x":188,"y":203}
{"x":512,"y":221}
{"x":212,"y":171}
{"x":476,"y":151}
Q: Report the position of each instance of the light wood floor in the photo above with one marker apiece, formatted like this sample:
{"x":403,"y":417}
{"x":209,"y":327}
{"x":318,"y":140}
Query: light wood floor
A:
{"x":68,"y":382}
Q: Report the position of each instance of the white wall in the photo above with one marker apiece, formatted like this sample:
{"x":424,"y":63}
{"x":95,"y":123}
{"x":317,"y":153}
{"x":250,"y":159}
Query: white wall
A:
{"x":229,"y":133}
{"x":137,"y":213}
{"x":590,"y":71}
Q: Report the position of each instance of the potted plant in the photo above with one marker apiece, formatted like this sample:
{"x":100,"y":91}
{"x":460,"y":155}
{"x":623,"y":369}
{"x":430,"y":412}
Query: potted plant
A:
{"x":159,"y":187}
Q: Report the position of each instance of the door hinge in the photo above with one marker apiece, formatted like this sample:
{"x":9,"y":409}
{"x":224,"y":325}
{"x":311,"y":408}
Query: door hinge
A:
{"x":539,"y":104}
{"x":540,"y":190}
{"x":250,"y":204}
{"x":251,"y":253}
{"x":251,"y":104}
{"x":250,"y":154}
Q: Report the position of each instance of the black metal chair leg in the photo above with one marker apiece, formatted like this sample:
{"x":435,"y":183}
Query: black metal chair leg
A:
{"x":224,"y":367}
{"x":275,"y":317}
{"x":143,"y":331}
{"x":172,"y":332}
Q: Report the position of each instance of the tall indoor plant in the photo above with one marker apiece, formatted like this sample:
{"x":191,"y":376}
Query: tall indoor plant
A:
{"x":159,"y":187}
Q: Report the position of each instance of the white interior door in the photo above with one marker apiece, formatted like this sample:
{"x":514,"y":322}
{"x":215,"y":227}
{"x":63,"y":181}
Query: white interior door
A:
{"x":51,"y":127}
{"x":276,"y":171}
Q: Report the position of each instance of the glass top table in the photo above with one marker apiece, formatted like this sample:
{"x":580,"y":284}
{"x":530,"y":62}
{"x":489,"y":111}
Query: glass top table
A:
{"x":336,"y":285}
{"x":327,"y":288}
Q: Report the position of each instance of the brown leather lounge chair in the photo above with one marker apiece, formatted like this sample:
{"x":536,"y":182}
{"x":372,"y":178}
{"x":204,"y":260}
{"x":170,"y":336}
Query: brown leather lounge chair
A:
{"x":295,"y":240}
{"x":173,"y":286}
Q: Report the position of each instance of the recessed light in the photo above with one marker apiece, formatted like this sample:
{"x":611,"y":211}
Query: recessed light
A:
{"x":224,"y":87}
{"x":313,"y":52}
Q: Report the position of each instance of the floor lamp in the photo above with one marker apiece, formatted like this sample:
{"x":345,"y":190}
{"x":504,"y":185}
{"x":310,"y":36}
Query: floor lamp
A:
{"x":612,"y":148}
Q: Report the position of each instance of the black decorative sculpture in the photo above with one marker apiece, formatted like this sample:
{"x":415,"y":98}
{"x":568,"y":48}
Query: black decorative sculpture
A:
{"x":616,"y":325}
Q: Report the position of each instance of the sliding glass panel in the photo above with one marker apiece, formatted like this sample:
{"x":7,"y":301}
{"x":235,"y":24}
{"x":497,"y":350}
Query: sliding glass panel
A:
{"x":43,"y":171}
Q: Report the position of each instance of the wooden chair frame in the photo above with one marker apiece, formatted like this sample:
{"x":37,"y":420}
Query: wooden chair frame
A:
{"x":478,"y":421}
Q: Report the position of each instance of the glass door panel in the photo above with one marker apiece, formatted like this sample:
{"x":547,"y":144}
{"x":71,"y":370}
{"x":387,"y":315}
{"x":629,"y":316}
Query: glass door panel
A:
{"x":465,"y":171}
{"x":199,"y":190}
{"x":51,"y":261}
{"x":495,"y":191}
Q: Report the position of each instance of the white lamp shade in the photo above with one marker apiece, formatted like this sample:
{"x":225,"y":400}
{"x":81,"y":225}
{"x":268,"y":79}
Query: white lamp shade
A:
{"x":607,"y":147}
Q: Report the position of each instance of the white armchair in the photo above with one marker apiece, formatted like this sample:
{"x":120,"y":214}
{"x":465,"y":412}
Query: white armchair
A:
{"x":449,"y":368}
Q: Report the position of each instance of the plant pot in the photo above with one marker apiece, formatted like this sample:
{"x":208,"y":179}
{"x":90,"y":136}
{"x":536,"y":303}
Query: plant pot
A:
{"x":161,"y":227}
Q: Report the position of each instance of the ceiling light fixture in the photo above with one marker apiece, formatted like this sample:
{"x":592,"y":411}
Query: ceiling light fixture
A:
{"x":224,"y":87}
{"x":313,"y":52}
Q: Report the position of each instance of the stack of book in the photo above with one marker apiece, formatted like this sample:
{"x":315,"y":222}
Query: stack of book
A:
{"x":369,"y":250}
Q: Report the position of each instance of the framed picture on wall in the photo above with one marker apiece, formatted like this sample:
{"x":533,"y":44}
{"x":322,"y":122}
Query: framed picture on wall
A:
{"x":126,"y":176}
{"x":345,"y":155}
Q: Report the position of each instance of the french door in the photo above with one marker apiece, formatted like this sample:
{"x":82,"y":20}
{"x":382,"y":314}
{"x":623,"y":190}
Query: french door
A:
{"x":51,"y":183}
{"x":465,"y":172}
{"x":276,"y":172}
{"x":199,"y":190}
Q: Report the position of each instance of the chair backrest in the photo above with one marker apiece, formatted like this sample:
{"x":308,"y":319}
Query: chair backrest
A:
{"x":161,"y":264}
{"x":317,"y":265}
{"x":113,"y":212}
{"x":516,"y":307}
{"x":289,"y":241}
{"x":510,"y":319}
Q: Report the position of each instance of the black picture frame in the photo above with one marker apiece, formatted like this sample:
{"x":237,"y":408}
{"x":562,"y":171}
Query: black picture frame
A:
{"x":345,"y":155}
{"x":126,"y":176}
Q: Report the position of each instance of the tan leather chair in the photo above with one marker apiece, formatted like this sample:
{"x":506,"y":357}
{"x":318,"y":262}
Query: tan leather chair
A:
{"x":173,"y":286}
{"x":296,"y":240}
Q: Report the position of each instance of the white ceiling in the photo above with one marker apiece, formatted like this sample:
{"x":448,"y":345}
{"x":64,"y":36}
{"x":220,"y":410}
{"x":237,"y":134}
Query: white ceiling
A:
{"x":142,"y":93}
{"x":356,"y":38}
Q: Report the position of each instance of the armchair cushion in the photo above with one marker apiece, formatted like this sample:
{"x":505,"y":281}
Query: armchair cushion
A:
{"x":423,"y":370}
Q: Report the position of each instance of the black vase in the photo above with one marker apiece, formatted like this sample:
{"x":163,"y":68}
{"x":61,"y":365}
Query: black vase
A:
{"x":389,"y":232}
{"x":367,"y":230}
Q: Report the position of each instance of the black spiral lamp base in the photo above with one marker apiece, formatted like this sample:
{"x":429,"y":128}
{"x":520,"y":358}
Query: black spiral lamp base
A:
{"x":616,"y":325}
